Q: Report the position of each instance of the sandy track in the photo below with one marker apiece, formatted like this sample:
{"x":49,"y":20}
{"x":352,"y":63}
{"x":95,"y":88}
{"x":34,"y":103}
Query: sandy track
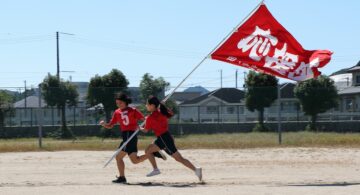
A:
{"x":251,"y":171}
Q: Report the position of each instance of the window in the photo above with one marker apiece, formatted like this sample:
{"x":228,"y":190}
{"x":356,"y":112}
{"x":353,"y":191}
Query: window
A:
{"x":241,"y":109}
{"x":349,"y":104}
{"x":286,"y":106}
{"x":337,"y":108}
{"x":211,"y":109}
{"x":357,"y":79}
{"x":230,"y":110}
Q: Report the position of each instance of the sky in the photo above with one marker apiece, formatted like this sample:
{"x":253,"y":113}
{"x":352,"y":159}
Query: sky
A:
{"x":161,"y":37}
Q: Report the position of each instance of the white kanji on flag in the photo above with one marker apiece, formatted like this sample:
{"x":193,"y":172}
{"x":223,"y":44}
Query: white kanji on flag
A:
{"x":259,"y":42}
{"x":303,"y":71}
{"x":282,"y":61}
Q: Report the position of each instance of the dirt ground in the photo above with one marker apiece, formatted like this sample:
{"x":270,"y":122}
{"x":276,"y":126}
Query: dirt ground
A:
{"x":247,"y":171}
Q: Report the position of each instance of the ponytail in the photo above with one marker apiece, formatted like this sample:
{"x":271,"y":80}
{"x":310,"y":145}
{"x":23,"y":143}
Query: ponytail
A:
{"x":163,"y":109}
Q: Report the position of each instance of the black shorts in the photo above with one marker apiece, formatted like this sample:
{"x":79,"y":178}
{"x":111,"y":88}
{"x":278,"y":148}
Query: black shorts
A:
{"x":166,"y":142}
{"x":132,"y":145}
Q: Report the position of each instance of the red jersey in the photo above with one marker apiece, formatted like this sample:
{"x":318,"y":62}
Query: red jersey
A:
{"x":157,"y":122}
{"x":127,"y":118}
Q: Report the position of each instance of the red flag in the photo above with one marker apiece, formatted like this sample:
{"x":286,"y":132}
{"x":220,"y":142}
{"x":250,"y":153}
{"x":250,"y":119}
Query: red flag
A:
{"x":263,"y":44}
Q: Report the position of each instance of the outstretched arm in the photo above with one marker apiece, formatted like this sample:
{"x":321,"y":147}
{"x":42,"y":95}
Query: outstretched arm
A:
{"x":106,"y":125}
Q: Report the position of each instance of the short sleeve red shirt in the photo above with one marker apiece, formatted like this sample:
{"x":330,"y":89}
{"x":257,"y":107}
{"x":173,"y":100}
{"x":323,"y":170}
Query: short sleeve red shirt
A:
{"x":157,"y":122}
{"x":127,"y":118}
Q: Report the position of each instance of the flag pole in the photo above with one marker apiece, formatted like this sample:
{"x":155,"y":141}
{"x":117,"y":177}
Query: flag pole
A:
{"x":192,"y":71}
{"x":215,"y":48}
{"x":237,"y":27}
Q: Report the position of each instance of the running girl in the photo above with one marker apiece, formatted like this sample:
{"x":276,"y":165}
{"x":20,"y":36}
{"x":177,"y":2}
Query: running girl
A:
{"x":128,"y":119}
{"x":157,"y":121}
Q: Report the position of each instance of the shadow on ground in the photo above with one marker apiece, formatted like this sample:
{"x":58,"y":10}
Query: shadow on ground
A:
{"x":174,"y":185}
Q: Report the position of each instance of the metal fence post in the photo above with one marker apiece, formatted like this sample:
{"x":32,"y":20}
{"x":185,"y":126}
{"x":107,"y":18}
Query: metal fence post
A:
{"x":198,"y":111}
{"x":31,"y":117}
{"x":74,"y":116}
{"x":40,"y":118}
{"x":279,"y":112}
{"x":52,"y":116}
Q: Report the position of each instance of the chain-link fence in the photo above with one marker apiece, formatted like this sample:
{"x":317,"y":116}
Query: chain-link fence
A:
{"x":220,"y":106}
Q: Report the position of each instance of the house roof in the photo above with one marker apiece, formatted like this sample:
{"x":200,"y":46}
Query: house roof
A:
{"x":287,"y":90}
{"x":229,"y":95}
{"x":31,"y":102}
{"x":354,"y":69}
{"x":342,"y":71}
{"x":185,"y":96}
{"x":347,"y":70}
{"x":233,"y":95}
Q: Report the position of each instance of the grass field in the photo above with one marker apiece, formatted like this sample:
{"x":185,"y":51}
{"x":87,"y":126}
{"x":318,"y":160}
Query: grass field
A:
{"x":203,"y":141}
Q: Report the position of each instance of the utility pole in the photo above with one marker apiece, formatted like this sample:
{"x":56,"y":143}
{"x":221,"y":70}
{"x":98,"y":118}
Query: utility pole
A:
{"x":279,"y":88}
{"x":221,"y":79}
{"x":236,"y":79}
{"x":25,"y":94}
{"x":40,"y":118}
{"x":244,"y":80}
{"x":57,"y":56}
{"x":58,"y":53}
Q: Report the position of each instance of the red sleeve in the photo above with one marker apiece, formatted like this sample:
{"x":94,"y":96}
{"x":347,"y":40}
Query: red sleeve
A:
{"x":114,"y":119}
{"x":148,"y":123}
{"x":138,"y":115}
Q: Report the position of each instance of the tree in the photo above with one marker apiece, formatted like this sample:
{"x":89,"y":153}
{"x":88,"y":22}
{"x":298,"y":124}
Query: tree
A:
{"x":151,"y":86}
{"x":261,"y":93}
{"x":5,"y":107}
{"x":60,"y":94}
{"x":316,"y":96}
{"x":102,"y":90}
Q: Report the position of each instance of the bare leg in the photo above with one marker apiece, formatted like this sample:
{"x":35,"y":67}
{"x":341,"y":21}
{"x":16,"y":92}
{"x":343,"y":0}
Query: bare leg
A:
{"x":137,"y":159}
{"x":120,"y":163}
{"x":149,"y":153}
{"x":177,"y":156}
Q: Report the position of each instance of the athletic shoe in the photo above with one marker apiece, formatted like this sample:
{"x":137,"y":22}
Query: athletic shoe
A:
{"x":160,"y":154}
{"x":120,"y":179}
{"x":198,"y":173}
{"x":153,"y":173}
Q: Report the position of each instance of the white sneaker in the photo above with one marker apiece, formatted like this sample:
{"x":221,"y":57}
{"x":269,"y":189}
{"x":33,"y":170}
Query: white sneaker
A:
{"x":198,"y":173}
{"x":153,"y":173}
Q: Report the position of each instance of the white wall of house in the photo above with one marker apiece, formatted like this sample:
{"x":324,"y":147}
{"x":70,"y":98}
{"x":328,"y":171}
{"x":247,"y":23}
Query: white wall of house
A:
{"x":342,"y":81}
{"x":214,"y":110}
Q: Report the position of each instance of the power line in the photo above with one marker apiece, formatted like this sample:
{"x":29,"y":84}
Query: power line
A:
{"x":26,"y":39}
{"x":134,"y":48}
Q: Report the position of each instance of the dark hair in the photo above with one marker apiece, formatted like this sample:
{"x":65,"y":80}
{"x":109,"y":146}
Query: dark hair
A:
{"x":123,"y":97}
{"x":163,"y":109}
